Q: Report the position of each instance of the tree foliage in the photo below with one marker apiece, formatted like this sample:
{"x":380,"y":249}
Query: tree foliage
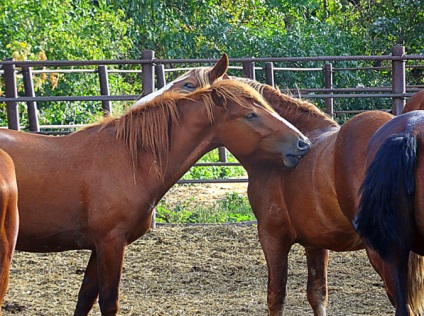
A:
{"x":62,"y":29}
{"x":122,"y":29}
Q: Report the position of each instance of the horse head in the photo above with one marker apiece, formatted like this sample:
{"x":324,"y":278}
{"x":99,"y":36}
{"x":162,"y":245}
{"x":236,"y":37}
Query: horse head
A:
{"x":192,"y":80}
{"x":248,"y":113}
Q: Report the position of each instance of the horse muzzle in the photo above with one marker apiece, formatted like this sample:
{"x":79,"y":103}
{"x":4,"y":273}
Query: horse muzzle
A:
{"x":291,"y":159}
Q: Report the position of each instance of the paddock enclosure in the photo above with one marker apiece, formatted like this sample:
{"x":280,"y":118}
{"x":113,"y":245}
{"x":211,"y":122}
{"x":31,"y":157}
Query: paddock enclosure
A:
{"x":397,"y":76}
{"x":400,"y":75}
{"x":198,"y":270}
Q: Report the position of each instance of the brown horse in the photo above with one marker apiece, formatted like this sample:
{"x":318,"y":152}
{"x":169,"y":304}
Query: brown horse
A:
{"x":328,"y":179}
{"x":416,"y":102}
{"x":9,"y":220}
{"x":391,"y":209}
{"x":315,"y":203}
{"x":96,"y":188}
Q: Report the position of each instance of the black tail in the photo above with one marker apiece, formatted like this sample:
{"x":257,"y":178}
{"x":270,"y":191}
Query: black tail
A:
{"x":385,"y":209}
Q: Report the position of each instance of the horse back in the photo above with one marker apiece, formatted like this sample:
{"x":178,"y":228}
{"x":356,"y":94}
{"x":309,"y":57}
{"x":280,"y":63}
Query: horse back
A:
{"x":416,"y":102}
{"x":350,"y":152}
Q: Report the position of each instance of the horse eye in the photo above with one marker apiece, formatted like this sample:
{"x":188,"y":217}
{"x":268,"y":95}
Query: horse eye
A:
{"x":251,"y":116}
{"x":189,"y":86}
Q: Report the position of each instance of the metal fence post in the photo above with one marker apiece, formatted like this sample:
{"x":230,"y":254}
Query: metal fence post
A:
{"x":148,"y":73}
{"x":104,"y":89}
{"x":11,"y":92}
{"x":148,"y":84}
{"x":269,"y":73}
{"x":249,"y":69}
{"x":31,"y":105}
{"x":398,"y":80}
{"x":160,"y":75}
{"x":222,"y":153}
{"x":328,"y":81}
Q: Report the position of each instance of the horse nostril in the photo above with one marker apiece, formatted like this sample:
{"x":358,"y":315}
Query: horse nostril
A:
{"x":303,"y":145}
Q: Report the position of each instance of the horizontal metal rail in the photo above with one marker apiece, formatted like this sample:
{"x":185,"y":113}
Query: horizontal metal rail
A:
{"x":148,"y":64}
{"x":57,"y":63}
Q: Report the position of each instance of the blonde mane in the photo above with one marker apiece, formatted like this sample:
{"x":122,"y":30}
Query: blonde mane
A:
{"x":202,"y":75}
{"x":149,"y":126}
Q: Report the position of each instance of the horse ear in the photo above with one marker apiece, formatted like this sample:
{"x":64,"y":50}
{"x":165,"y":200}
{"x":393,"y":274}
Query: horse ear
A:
{"x":219,"y":69}
{"x":218,"y":98}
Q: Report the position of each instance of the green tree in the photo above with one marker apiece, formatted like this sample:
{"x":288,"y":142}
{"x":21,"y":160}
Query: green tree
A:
{"x":117,"y":29}
{"x":63,"y":30}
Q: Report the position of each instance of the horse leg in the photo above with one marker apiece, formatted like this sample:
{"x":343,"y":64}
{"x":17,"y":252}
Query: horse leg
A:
{"x":416,"y":283}
{"x":276,"y":248}
{"x":89,"y":290}
{"x":378,"y":266}
{"x":317,"y":260}
{"x":9,"y":223}
{"x":110,"y":257}
{"x":395,"y":276}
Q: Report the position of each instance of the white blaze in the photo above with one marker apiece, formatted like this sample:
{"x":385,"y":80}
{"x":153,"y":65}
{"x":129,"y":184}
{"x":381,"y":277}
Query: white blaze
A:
{"x":153,"y":95}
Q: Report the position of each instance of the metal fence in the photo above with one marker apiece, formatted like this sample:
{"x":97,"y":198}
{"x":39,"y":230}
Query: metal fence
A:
{"x":153,"y":72}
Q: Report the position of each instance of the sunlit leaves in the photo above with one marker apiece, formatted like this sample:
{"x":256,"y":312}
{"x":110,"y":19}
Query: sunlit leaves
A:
{"x":64,"y":29}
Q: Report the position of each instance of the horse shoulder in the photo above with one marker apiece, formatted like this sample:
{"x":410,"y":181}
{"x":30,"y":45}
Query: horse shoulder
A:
{"x":351,"y":149}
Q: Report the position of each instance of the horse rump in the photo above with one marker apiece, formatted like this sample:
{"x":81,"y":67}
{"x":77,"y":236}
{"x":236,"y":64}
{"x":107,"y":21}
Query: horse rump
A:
{"x":385,"y":209}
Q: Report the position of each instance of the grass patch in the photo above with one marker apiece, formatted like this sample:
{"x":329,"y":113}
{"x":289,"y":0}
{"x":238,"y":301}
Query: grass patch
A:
{"x":215,"y":172}
{"x":233,"y":208}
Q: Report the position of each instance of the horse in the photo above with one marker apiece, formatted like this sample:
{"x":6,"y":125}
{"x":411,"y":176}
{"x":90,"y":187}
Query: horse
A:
{"x":9,"y":219}
{"x":96,"y":188}
{"x":416,"y":102}
{"x":390,"y":217}
{"x":315,"y":203}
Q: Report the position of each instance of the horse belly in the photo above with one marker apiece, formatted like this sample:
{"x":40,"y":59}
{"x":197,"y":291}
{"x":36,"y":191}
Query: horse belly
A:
{"x":323,"y":226}
{"x":50,"y":227}
{"x":52,"y":214}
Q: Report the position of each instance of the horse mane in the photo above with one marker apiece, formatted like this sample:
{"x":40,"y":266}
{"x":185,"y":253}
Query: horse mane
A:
{"x":292,"y":109}
{"x":201,"y":74}
{"x":150,"y":125}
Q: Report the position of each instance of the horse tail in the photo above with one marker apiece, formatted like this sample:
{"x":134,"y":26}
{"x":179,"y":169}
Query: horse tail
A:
{"x":416,"y":283}
{"x":385,"y":209}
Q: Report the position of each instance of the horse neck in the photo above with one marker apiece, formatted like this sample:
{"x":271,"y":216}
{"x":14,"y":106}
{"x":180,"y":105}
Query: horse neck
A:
{"x":190,"y":139}
{"x":305,"y":116}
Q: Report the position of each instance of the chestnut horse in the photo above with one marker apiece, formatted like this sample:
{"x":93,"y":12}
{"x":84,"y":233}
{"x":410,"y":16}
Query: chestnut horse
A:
{"x":391,"y":209}
{"x":96,"y":188}
{"x":9,"y":220}
{"x":315,"y":203}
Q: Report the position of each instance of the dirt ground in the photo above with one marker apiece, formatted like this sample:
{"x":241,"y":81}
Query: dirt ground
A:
{"x":193,"y":270}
